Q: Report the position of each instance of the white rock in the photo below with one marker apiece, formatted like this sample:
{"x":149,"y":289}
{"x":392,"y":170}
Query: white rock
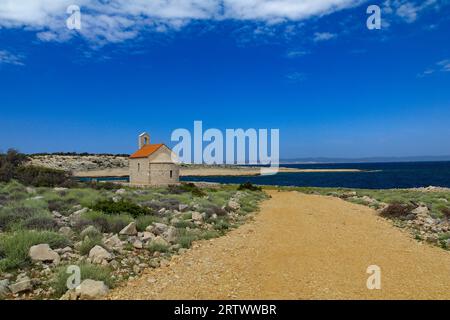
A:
{"x":182,"y":207}
{"x":197,"y":216}
{"x":145,"y":236}
{"x":157,"y":228}
{"x":22,"y":284}
{"x":4,"y":288}
{"x":91,"y":290}
{"x":170,"y":235}
{"x":422,"y":210}
{"x":99,"y":254}
{"x":113,"y":242}
{"x":43,"y":252}
{"x":129,"y":230}
{"x":67,"y":231}
{"x":159,"y":241}
{"x":138,"y":244}
{"x":121,"y":191}
{"x":80,"y":212}
{"x":233,"y":205}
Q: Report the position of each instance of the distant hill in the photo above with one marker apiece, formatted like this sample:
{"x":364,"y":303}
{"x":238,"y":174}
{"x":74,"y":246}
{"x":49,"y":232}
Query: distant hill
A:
{"x":366,"y":160}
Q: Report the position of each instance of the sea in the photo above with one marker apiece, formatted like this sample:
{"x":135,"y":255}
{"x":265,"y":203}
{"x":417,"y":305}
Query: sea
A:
{"x":371,"y":176}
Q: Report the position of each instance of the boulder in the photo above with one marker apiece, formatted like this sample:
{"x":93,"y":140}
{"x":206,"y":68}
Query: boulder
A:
{"x":91,"y":290}
{"x":99,"y":254}
{"x":422,"y":210}
{"x":170,"y":235}
{"x":138,"y":244}
{"x":157,"y":228}
{"x":159,"y":241}
{"x":197,"y":216}
{"x":182,"y":207}
{"x":80,"y":212}
{"x":22,"y":284}
{"x":43,"y":252}
{"x":145,"y":236}
{"x":233,"y":205}
{"x":66,"y":231}
{"x":4,"y":288}
{"x":129,"y":230}
{"x":113,"y":242}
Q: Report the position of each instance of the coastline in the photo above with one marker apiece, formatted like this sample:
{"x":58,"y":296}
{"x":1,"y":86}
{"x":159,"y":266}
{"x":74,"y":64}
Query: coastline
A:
{"x":206,"y":171}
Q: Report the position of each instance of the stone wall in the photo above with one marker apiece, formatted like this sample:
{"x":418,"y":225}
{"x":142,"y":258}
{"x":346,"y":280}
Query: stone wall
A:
{"x":139,"y":171}
{"x":160,"y":173}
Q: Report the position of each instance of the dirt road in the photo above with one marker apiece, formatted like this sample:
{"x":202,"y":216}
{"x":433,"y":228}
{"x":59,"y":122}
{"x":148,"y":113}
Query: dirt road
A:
{"x":301,"y":247}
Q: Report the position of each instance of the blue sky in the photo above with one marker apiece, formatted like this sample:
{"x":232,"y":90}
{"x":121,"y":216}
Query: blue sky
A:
{"x":314,"y":71}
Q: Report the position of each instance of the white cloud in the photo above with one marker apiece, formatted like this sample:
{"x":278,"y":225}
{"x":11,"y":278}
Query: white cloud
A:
{"x":407,"y":10}
{"x":7,"y":57}
{"x":441,"y":66}
{"x":296,"y":77}
{"x":323,"y":36}
{"x":296,"y":53}
{"x":105,"y":21}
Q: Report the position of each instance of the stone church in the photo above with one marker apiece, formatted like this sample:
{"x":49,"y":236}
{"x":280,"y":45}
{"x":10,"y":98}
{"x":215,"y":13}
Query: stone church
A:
{"x":152,"y":164}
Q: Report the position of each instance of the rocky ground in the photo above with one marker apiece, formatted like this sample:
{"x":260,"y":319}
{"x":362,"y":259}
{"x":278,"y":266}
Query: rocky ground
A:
{"x":176,"y":217}
{"x":78,"y":163}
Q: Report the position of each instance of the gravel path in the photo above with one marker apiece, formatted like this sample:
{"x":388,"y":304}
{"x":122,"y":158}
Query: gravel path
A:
{"x":301,"y":247}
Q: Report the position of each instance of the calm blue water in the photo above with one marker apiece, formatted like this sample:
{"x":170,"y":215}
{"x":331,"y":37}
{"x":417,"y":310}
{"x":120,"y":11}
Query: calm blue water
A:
{"x":374,"y":176}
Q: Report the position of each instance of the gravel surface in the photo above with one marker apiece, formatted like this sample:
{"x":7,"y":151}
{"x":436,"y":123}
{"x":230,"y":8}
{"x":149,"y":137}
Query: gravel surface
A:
{"x":301,"y":247}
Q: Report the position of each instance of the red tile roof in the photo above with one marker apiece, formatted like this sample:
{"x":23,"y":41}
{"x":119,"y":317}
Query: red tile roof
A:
{"x":146,"y":151}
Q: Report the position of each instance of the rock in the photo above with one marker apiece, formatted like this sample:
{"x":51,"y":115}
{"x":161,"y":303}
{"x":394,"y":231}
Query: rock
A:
{"x":129,"y":230}
{"x":99,"y":254}
{"x":433,"y":239}
{"x":138,"y":244}
{"x":170,"y":235}
{"x":182,"y":207}
{"x":145,"y":236}
{"x":91,"y":290}
{"x":121,"y":191}
{"x":136,"y":269}
{"x":113,"y":242}
{"x":157,"y":228}
{"x":80,"y":212}
{"x":410,"y":216}
{"x":66,"y":231}
{"x":22,"y":284}
{"x":116,"y":199}
{"x":197,"y":216}
{"x":57,"y":215}
{"x":31,"y":190}
{"x":233,"y":205}
{"x":162,"y":211}
{"x":89,"y":231}
{"x":58,"y":189}
{"x":4,"y":288}
{"x":368,"y":200}
{"x":159,"y":241}
{"x":422,"y":210}
{"x":43,"y":252}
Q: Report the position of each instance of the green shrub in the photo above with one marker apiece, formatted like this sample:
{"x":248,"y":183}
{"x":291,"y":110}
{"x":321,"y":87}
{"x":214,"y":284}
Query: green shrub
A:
{"x":155,"y":246}
{"x":397,"y":210}
{"x":123,"y":206}
{"x":221,"y":225}
{"x":185,"y":238}
{"x":18,"y":213}
{"x":249,"y":186}
{"x":186,"y":187}
{"x":88,"y":243}
{"x":14,"y":247}
{"x":88,"y":271}
{"x":446,"y":212}
{"x":107,"y":223}
{"x":209,"y":234}
{"x":143,"y":222}
{"x":40,"y":223}
{"x":44,"y":177}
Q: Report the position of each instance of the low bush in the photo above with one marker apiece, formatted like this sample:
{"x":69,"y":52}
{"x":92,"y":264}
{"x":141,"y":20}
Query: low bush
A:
{"x":14,"y":247}
{"x":17,"y":213}
{"x":158,"y":247}
{"x":101,"y":185}
{"x":88,"y":243}
{"x":221,"y":225}
{"x":186,"y":187}
{"x":446,"y":212}
{"x":40,"y":223}
{"x":123,"y":206}
{"x":249,"y":186}
{"x":44,"y":177}
{"x":397,"y":210}
{"x":185,"y":238}
{"x":107,"y":223}
{"x":143,"y":222}
{"x":87,"y":271}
